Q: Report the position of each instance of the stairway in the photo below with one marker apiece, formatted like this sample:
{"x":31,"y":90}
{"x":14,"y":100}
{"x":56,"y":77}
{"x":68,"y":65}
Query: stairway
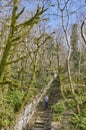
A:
{"x":43,"y":117}
{"x":43,"y":121}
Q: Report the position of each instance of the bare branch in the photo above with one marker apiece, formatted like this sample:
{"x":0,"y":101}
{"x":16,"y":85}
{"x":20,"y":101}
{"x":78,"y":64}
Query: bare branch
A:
{"x":7,"y":4}
{"x":65,"y":5}
{"x":21,"y":58}
{"x":82,"y":29}
{"x":4,"y":23}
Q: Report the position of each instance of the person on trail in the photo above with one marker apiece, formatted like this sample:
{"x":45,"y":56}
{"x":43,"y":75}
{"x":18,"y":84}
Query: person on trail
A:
{"x":46,"y":99}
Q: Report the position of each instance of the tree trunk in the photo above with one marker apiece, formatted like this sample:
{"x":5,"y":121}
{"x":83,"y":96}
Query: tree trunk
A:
{"x":68,"y":67}
{"x":9,"y":41}
{"x":70,"y":81}
{"x":34,"y":67}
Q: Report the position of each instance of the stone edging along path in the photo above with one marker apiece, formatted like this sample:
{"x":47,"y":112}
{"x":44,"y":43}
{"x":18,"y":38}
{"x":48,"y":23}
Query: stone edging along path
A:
{"x":30,"y":109}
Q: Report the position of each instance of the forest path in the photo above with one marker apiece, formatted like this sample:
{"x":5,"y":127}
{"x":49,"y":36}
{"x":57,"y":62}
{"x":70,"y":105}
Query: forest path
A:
{"x":42,"y":118}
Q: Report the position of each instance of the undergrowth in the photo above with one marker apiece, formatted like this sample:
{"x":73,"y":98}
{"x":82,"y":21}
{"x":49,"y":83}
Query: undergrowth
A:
{"x":78,"y":121}
{"x":11,"y":101}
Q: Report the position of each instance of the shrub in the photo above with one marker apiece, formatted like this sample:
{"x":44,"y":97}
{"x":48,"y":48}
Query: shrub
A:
{"x":70,"y":104}
{"x":79,"y":121}
{"x":58,"y":110}
{"x":14,"y":99}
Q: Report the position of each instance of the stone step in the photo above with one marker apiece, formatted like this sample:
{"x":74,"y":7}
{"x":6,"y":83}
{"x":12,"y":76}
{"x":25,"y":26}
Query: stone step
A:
{"x":46,"y":110}
{"x":40,"y":122}
{"x":38,"y":126}
{"x":45,"y":116}
{"x":43,"y":119}
{"x":46,"y":113}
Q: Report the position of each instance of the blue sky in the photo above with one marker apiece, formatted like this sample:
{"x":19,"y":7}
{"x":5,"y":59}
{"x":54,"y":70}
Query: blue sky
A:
{"x":76,"y":11}
{"x":77,"y":8}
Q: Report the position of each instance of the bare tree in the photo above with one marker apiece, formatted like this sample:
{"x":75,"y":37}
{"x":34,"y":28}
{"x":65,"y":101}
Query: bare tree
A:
{"x":69,"y":52}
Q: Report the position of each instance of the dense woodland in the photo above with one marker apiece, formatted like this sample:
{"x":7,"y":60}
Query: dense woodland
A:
{"x":39,"y":38}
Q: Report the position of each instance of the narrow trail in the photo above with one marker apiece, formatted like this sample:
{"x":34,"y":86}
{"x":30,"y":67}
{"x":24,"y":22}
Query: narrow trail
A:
{"x":42,"y":118}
